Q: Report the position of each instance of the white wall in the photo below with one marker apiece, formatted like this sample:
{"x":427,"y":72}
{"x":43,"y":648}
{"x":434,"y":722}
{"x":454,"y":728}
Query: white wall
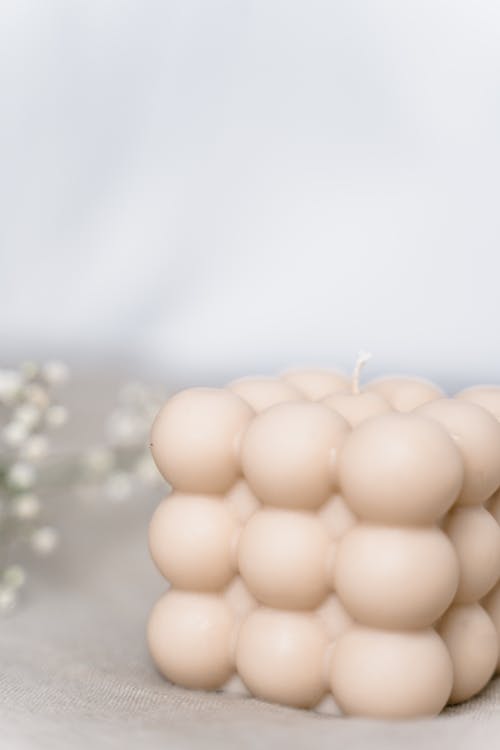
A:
{"x":212,"y":188}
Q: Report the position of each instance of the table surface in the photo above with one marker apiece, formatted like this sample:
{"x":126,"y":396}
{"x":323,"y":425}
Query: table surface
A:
{"x":75,"y":671}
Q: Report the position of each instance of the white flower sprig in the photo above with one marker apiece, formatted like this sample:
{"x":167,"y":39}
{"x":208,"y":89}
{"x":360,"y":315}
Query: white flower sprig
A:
{"x":31,"y":468}
{"x":28,"y":412}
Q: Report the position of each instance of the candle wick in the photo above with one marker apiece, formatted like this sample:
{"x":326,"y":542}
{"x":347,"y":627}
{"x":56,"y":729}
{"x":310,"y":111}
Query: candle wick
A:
{"x":361,"y":361}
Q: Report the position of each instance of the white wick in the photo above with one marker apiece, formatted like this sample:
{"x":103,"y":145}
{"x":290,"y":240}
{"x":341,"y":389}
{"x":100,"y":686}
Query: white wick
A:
{"x":361,"y":361}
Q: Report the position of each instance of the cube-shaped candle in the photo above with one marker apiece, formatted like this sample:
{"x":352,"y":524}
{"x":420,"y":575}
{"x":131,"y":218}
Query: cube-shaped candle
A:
{"x":329,"y":548}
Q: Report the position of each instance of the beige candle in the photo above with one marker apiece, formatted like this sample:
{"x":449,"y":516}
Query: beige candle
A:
{"x":330,"y":546}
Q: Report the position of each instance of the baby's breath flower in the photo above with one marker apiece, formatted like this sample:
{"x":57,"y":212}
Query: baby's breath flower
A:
{"x":55,"y":373}
{"x":36,"y":394}
{"x":8,"y":599}
{"x":14,"y":433}
{"x":14,"y":576}
{"x":28,"y":414}
{"x":29,"y":370}
{"x":44,"y":540}
{"x":21,"y":475}
{"x":115,"y":470}
{"x":99,"y":461}
{"x":35,"y":448}
{"x":25,"y":507}
{"x":10,"y":385}
{"x":26,"y":397}
{"x":125,"y":428}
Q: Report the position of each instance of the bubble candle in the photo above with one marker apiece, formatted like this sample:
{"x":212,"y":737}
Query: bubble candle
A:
{"x":329,"y":546}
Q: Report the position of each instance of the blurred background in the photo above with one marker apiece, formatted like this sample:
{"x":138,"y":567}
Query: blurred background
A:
{"x":199,"y":190}
{"x":192,"y":191}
